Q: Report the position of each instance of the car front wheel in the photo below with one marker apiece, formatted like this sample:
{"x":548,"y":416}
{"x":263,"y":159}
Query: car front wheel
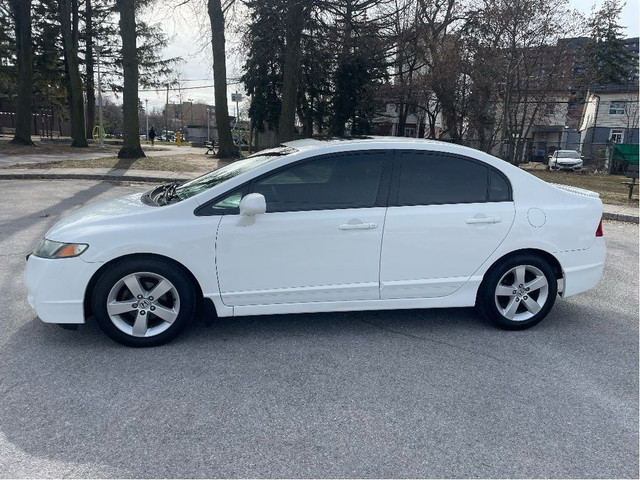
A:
{"x":143,"y":302}
{"x":519,"y":293}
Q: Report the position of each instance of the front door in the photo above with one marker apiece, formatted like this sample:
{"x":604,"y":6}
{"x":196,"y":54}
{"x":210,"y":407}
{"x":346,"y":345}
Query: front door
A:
{"x":319,"y":241}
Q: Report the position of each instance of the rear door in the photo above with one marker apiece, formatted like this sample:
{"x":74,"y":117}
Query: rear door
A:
{"x":447,"y":215}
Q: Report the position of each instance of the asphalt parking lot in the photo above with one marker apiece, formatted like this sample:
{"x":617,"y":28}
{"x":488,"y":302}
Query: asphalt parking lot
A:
{"x":419,"y":393}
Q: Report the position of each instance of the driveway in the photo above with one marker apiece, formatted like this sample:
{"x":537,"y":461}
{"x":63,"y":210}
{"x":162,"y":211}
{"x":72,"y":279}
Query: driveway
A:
{"x":416,"y":393}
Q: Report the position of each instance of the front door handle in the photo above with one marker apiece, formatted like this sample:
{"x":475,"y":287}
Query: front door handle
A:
{"x":476,"y":220}
{"x":358,"y":226}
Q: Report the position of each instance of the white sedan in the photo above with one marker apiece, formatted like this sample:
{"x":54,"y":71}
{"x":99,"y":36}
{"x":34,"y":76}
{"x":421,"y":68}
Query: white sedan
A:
{"x":565,"y":160}
{"x":319,"y":226}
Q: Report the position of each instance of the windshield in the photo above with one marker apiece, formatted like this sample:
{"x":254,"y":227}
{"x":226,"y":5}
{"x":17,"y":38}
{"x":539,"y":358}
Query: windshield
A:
{"x":211,"y":179}
{"x":570,"y":154}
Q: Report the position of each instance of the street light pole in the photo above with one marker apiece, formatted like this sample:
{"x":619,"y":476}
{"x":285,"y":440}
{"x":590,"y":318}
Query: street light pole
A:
{"x":101,"y":132}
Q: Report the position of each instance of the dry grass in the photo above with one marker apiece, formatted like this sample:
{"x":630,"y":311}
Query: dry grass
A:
{"x":165,"y":163}
{"x":49,"y":148}
{"x":63,"y":146}
{"x":609,"y":187}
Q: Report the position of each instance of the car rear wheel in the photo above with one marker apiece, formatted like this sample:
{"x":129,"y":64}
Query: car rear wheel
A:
{"x":143,"y":302}
{"x":518,"y":293}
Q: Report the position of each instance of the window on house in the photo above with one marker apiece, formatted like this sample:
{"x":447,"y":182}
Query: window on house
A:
{"x":617,"y":108}
{"x":409,"y":132}
{"x":550,"y":109}
{"x":617,"y":136}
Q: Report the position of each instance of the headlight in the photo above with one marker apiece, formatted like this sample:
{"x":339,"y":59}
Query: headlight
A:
{"x":50,"y":249}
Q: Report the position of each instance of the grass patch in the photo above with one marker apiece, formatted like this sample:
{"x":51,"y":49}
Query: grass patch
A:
{"x":608,"y":186}
{"x":165,"y":163}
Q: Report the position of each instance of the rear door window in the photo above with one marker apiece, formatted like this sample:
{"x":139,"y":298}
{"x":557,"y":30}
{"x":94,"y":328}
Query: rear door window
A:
{"x":431,"y":178}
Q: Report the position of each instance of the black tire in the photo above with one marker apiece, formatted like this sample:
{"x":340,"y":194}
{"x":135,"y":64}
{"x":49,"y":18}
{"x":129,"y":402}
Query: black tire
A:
{"x":126,"y":309}
{"x":503,"y":297}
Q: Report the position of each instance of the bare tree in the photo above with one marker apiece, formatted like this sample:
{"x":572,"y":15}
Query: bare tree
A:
{"x":524,"y":33}
{"x":225,"y":140}
{"x":21,"y":10}
{"x":131,"y":135}
{"x":89,"y":64}
{"x":69,"y":18}
{"x":295,"y":20}
{"x":441,"y":40}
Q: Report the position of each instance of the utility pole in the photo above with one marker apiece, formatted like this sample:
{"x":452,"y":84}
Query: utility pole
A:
{"x":146,"y":111}
{"x":166,"y":112}
{"x":101,"y":131}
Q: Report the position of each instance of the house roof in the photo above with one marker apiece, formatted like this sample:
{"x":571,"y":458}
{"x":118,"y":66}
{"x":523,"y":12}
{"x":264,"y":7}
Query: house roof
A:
{"x":614,"y":88}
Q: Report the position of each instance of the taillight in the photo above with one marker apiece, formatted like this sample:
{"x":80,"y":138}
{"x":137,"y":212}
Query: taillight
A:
{"x":599,"y":232}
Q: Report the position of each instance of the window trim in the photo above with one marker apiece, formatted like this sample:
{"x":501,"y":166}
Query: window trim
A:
{"x":382,"y":196}
{"x":395,"y":181}
{"x":619,"y":110}
{"x":616,"y":131}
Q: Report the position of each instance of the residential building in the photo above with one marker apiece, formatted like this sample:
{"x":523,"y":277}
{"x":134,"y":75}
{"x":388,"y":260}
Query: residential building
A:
{"x":610,"y":116}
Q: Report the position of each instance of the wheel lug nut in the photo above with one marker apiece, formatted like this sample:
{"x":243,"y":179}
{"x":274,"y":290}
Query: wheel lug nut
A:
{"x":527,"y":289}
{"x":152,"y":308}
{"x":135,"y":305}
{"x":520,"y":285}
{"x":139,"y":297}
{"x":525,"y":297}
{"x":151,"y":298}
{"x":142,"y":312}
{"x":517,"y":299}
{"x":515,"y":291}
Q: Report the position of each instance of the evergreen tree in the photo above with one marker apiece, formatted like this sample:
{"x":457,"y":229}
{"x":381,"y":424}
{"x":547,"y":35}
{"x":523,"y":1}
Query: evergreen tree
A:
{"x":264,"y":41}
{"x":609,"y":60}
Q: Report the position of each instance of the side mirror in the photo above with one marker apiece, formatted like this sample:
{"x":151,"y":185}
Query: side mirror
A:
{"x":253,"y":204}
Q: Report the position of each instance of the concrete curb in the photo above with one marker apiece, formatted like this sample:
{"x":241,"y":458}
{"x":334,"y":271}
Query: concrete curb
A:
{"x":89,"y":176}
{"x":620,"y":217}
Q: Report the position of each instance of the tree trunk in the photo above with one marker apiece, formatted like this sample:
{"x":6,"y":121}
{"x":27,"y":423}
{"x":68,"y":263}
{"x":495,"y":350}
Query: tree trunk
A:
{"x":68,"y":10}
{"x":22,"y":15}
{"x":226,"y":148}
{"x":294,"y":23}
{"x":131,"y":141}
{"x":89,"y":62}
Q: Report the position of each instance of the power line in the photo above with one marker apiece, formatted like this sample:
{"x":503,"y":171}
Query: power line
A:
{"x":230,"y":81}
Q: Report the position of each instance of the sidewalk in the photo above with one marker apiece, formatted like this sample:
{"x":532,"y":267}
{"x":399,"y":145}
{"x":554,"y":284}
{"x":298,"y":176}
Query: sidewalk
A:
{"x":622,"y":213}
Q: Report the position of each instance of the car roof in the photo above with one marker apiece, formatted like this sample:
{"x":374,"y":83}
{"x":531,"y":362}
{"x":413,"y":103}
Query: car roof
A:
{"x":309,"y":143}
{"x":328,"y":145}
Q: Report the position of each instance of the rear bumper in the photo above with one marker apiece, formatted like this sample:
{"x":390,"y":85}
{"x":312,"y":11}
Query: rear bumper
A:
{"x":56,"y":288}
{"x":582,"y":269}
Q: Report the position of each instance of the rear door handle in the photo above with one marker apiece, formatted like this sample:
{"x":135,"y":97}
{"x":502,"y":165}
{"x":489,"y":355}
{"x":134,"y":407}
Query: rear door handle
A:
{"x":476,"y":220}
{"x":358,"y":226}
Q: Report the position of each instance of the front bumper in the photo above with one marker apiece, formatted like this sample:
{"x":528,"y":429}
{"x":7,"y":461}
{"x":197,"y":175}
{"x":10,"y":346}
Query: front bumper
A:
{"x":567,"y":166}
{"x":56,"y":288}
